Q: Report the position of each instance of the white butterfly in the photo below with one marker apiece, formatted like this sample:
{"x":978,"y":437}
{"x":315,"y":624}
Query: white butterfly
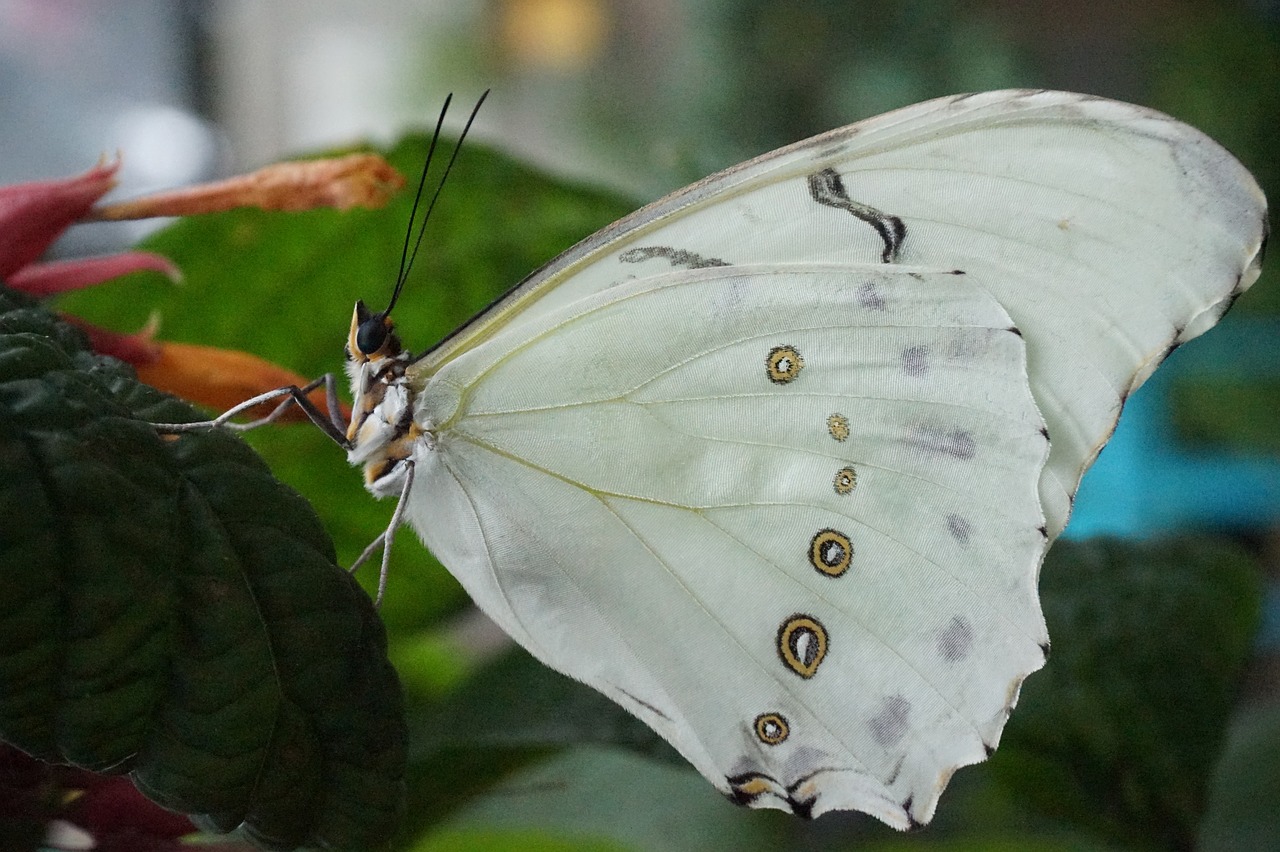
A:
{"x":773,"y":462}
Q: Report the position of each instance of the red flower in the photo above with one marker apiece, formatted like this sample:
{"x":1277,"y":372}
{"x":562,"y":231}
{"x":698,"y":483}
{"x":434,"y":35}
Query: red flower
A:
{"x":33,"y":215}
{"x":75,"y":809}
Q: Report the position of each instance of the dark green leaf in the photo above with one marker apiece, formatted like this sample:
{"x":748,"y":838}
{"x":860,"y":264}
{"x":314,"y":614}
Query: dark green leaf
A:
{"x":1120,"y":732}
{"x":512,"y":712}
{"x":172,"y":612}
{"x":518,"y":702}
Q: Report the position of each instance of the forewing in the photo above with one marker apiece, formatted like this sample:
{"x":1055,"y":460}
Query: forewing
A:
{"x":1109,"y":233}
{"x":786,"y":515}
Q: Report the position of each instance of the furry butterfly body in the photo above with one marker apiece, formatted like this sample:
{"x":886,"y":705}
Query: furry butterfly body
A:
{"x":774,"y":461}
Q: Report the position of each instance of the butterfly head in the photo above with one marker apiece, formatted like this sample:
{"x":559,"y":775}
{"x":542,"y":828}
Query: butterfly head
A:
{"x":372,"y":337}
{"x":382,"y":431}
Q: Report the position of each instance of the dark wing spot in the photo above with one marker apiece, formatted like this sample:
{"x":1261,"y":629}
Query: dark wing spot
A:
{"x":827,"y":188}
{"x":889,"y":726}
{"x":955,"y":641}
{"x":677,"y":257}
{"x":915,"y":360}
{"x":830,"y":552}
{"x":912,"y":822}
{"x":957,"y":443}
{"x":869,"y":297}
{"x":802,"y":808}
{"x":959,"y":527}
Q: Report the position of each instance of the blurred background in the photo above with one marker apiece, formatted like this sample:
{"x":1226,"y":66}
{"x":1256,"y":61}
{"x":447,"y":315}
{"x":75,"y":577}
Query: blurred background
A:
{"x":643,"y":96}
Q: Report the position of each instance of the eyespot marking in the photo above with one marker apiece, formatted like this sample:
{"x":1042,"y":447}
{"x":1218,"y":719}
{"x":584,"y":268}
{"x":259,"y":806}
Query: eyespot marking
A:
{"x":783,"y":364}
{"x":838,"y":427}
{"x":802,"y":643}
{"x":830,"y":552}
{"x":846,"y":479}
{"x":772,"y":728}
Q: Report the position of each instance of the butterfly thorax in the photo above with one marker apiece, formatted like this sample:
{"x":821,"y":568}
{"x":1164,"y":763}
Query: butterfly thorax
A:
{"x":382,"y":433}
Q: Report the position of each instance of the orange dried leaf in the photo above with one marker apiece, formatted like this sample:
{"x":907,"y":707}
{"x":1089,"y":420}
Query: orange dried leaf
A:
{"x":356,"y":180}
{"x":219,"y":379}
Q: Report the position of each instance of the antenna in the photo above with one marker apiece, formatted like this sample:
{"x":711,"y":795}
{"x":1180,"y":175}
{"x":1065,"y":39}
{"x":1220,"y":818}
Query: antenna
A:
{"x":407,"y":258}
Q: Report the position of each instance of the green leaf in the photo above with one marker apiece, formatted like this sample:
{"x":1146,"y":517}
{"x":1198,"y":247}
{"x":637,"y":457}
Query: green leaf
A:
{"x":516,"y":701}
{"x":1121,"y":730}
{"x":596,"y":796}
{"x":172,"y":612}
{"x":510,"y":714}
{"x":1245,"y":788}
{"x":526,"y":840}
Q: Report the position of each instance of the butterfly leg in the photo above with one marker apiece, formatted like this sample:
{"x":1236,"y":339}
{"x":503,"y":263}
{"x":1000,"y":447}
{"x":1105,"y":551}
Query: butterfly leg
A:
{"x":384,"y":538}
{"x":331,"y":424}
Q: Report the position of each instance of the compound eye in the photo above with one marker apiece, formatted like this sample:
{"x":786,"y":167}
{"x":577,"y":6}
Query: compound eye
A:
{"x":371,"y":335}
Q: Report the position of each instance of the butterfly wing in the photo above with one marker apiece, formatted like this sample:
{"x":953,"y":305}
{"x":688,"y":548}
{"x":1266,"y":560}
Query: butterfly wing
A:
{"x":792,"y":528}
{"x":765,"y":463}
{"x":1109,"y":232}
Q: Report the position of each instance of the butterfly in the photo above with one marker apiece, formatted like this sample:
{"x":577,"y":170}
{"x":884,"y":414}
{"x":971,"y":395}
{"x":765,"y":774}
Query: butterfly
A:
{"x":773,"y":462}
